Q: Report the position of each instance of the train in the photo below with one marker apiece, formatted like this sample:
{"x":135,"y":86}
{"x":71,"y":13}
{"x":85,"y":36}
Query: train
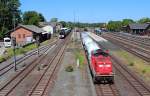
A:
{"x":100,"y":63}
{"x":64,"y":32}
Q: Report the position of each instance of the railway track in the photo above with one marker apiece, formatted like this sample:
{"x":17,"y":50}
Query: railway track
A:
{"x":10,"y":66}
{"x":129,"y":41}
{"x":134,"y":81}
{"x":46,"y":80}
{"x":7,"y":87}
{"x":133,"y":39}
{"x":106,"y":90}
{"x":143,"y":54}
{"x":138,"y":84}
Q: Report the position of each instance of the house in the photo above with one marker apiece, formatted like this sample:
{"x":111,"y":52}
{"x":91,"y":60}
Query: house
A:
{"x":139,"y":29}
{"x":56,"y":26}
{"x":25,"y":34}
{"x":48,"y":31}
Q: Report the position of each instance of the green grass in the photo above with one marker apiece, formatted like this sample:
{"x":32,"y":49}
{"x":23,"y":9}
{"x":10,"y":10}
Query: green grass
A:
{"x":19,"y":51}
{"x":80,"y":56}
{"x":140,"y":66}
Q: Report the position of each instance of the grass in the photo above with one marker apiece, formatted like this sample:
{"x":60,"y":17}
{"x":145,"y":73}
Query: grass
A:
{"x":19,"y":51}
{"x":140,"y":66}
{"x":80,"y":56}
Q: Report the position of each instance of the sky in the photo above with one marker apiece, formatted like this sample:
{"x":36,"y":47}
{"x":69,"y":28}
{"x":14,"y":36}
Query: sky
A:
{"x":89,"y":10}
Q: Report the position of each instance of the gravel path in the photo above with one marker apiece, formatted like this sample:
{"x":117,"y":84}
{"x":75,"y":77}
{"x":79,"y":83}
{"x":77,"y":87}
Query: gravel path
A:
{"x":76,"y":83}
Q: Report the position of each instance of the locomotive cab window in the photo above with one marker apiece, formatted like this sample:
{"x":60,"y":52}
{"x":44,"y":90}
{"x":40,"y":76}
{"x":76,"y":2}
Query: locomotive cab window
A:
{"x":100,"y":52}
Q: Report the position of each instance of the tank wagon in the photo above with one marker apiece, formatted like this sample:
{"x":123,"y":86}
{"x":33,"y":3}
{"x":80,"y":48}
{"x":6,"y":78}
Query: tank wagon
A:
{"x":99,"y":61}
{"x":64,"y":32}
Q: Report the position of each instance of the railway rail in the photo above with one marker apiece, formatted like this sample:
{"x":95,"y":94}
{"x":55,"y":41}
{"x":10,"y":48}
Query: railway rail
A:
{"x":46,"y":80}
{"x":7,"y":87}
{"x":139,"y":44}
{"x":135,"y":82}
{"x":106,"y":90}
{"x":143,"y":41}
{"x":10,"y":66}
{"x":138,"y":84}
{"x":145,"y":55}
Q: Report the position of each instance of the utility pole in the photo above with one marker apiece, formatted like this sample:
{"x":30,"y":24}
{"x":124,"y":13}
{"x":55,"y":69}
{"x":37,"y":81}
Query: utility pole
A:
{"x":13,"y":38}
{"x":38,"y":44}
{"x":14,"y":49}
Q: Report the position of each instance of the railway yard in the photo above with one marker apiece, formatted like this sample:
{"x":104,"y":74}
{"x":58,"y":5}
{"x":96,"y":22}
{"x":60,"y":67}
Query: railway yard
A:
{"x":62,"y":68}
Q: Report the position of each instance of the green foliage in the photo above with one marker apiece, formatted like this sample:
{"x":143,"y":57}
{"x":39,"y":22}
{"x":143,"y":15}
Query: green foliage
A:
{"x":131,"y":64}
{"x":32,"y":18}
{"x":54,"y":20}
{"x":8,"y":10}
{"x":126,"y":22}
{"x":69,"y":69}
{"x":42,"y":19}
{"x":144,"y":20}
{"x":114,"y":25}
{"x":80,"y":57}
{"x":81,"y":25}
{"x":63,"y":23}
{"x":2,"y":59}
{"x":144,"y":71}
{"x":18,"y":52}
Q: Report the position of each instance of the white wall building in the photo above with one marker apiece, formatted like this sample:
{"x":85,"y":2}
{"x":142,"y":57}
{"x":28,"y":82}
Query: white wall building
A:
{"x":48,"y":29}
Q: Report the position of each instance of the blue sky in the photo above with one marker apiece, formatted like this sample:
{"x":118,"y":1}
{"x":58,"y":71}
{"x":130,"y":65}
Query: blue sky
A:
{"x":89,"y":10}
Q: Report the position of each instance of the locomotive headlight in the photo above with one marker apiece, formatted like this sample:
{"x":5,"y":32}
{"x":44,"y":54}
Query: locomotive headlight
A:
{"x":107,"y":65}
{"x":101,"y":65}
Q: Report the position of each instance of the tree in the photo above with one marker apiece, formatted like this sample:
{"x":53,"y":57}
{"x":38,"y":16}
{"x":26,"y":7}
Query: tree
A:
{"x":42,"y":19}
{"x":54,"y":20}
{"x":9,"y":12}
{"x":32,"y":18}
{"x":144,"y":20}
{"x":64,"y":24}
{"x":126,"y":22}
{"x":114,"y":25}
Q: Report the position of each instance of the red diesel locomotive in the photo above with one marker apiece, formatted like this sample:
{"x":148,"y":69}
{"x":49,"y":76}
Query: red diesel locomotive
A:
{"x":99,"y":61}
{"x":101,"y":67}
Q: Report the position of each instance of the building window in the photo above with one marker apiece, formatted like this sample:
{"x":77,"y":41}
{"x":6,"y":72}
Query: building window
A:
{"x":19,"y":36}
{"x":24,"y":35}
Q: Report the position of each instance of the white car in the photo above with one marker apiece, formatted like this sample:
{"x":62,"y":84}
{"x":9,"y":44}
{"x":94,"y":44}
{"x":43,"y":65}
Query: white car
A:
{"x":7,"y":42}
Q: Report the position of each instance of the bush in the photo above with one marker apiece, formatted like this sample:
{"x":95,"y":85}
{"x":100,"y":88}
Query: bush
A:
{"x":69,"y":69}
{"x":131,"y":64}
{"x":144,"y":71}
{"x":2,"y":59}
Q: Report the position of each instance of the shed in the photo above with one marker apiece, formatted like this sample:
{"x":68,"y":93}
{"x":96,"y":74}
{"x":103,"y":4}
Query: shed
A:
{"x":25,"y":34}
{"x":140,"y":29}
